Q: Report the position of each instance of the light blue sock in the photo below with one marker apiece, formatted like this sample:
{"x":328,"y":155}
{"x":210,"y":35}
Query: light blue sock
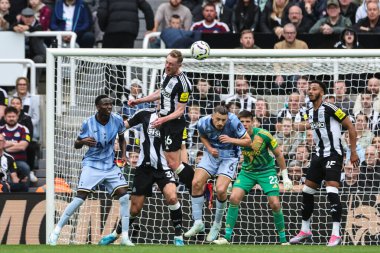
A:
{"x":124,"y":213}
{"x":70,"y":209}
{"x":197,"y":207}
{"x":220,"y":207}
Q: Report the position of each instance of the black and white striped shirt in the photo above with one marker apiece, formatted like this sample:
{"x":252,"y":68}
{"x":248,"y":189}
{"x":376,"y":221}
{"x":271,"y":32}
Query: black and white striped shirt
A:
{"x":174,"y":89}
{"x":151,"y":152}
{"x":326,"y":125}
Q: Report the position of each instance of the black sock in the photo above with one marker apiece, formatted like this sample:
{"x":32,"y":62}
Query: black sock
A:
{"x":335,"y":206}
{"x":176,"y":216}
{"x":118,"y":228}
{"x":307,"y":205}
{"x":186,"y":176}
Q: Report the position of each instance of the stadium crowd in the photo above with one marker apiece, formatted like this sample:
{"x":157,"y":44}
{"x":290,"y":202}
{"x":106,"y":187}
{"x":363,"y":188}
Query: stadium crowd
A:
{"x":180,"y":23}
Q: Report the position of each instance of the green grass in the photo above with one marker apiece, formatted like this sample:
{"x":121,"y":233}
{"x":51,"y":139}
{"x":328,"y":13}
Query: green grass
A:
{"x":186,"y":249}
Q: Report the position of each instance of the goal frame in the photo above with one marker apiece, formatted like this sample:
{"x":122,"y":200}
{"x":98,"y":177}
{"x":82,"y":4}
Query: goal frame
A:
{"x":215,"y":53}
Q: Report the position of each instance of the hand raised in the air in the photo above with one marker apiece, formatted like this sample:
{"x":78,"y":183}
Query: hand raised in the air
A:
{"x":224,"y":138}
{"x":214,"y":152}
{"x":89,"y":141}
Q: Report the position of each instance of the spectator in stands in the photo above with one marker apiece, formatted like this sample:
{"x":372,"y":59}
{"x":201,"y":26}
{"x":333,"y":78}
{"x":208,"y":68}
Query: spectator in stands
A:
{"x":333,"y":23}
{"x":242,"y":94}
{"x":16,"y":141}
{"x":313,"y":9}
{"x":371,"y":23}
{"x":350,"y":180}
{"x":361,"y":12}
{"x":290,"y":39}
{"x":30,"y":106}
{"x":341,"y":98}
{"x":6,"y":20}
{"x":302,"y":87}
{"x":176,"y":37}
{"x":166,"y":10}
{"x":302,"y":24}
{"x":369,"y":177}
{"x":303,"y":156}
{"x":288,"y":138}
{"x":376,"y":143}
{"x":194,"y":114}
{"x":292,"y":108}
{"x":73,"y":15}
{"x":271,"y":19}
{"x":16,"y":7}
{"x":348,"y":40}
{"x":35,"y":48}
{"x":296,"y":175}
{"x":262,"y":113}
{"x":234,"y":106}
{"x":246,"y":16}
{"x":348,"y":9}
{"x":210,"y":23}
{"x":3,"y":101}
{"x":119,"y":20}
{"x":135,"y":93}
{"x":247,"y":40}
{"x":367,"y":108}
{"x":204,"y":97}
{"x":373,"y":88}
{"x":42,"y":13}
{"x":10,"y":178}
{"x":309,"y":142}
{"x":223,"y":13}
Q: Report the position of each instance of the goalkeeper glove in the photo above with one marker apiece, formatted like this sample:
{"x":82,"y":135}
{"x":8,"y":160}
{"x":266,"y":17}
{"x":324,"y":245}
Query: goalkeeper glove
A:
{"x":288,"y":185}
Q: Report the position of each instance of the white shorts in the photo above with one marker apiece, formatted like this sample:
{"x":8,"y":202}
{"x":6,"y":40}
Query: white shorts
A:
{"x":219,"y":166}
{"x":112,"y":179}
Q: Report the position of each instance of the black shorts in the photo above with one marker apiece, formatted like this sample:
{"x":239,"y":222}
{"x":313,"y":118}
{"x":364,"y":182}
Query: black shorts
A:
{"x":172,"y":134}
{"x":146,"y":176}
{"x":325,"y":168}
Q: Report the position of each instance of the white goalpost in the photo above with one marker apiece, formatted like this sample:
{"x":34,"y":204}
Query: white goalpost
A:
{"x":76,"y":76}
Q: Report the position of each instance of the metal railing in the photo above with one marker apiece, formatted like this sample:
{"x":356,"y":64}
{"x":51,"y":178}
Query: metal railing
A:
{"x":148,"y":36}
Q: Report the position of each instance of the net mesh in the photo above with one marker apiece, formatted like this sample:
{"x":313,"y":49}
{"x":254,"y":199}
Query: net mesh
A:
{"x":80,"y":79}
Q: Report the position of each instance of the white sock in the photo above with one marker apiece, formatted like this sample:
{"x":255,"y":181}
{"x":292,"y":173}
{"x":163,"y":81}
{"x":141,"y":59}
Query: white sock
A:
{"x":125,"y":234}
{"x":336,"y":229}
{"x":115,"y":234}
{"x":305,"y":226}
{"x":57,"y":230}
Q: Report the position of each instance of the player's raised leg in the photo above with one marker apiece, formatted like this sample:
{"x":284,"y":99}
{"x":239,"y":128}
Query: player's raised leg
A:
{"x":197,"y":201}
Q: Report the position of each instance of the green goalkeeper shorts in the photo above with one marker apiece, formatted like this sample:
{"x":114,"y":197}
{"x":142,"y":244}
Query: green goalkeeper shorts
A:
{"x":267,"y":180}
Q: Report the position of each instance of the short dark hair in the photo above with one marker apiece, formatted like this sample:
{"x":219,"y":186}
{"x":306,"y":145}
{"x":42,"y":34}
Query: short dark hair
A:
{"x":321,"y":84}
{"x":10,"y":109}
{"x":221,"y":109}
{"x":100,"y":97}
{"x":176,"y":16}
{"x":17,"y":98}
{"x":245,"y":114}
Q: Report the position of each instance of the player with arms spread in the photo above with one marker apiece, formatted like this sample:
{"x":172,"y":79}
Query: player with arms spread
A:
{"x":325,"y":120}
{"x":258,"y":168}
{"x":99,"y":132}
{"x":151,"y":168}
{"x":221,"y":133}
{"x":174,"y":93}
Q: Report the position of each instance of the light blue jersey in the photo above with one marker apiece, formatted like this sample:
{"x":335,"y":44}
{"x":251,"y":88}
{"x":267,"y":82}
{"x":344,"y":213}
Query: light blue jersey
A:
{"x":101,"y":156}
{"x":233,"y":128}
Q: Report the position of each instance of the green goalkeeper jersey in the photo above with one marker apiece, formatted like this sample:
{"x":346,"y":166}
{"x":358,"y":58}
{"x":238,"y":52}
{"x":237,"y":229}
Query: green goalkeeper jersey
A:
{"x":257,"y":157}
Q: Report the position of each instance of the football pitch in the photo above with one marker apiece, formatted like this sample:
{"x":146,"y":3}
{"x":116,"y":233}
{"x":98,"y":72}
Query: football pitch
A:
{"x":186,"y":249}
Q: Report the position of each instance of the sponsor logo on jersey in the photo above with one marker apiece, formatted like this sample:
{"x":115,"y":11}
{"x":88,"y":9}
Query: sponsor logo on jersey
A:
{"x":340,"y":114}
{"x":317,"y":125}
{"x":165,"y":93}
{"x":153,"y":132}
{"x":184,"y":97}
{"x":273,"y":142}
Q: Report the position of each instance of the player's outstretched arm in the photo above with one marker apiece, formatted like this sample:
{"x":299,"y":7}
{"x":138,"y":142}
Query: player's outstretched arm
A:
{"x":150,"y":98}
{"x":346,"y":123}
{"x":288,"y":185}
{"x":244,"y":141}
{"x":123,"y":148}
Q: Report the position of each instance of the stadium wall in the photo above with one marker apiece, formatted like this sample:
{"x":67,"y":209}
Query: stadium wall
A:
{"x":22,"y":219}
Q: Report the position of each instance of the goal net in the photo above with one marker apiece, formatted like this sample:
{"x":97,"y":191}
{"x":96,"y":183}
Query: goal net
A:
{"x":76,"y":77}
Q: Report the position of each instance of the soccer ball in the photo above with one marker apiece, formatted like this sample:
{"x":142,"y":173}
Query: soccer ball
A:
{"x":200,"y":50}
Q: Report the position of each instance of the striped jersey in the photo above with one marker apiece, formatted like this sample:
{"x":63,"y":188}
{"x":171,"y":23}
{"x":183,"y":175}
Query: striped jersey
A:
{"x":257,"y":157}
{"x":101,"y":156}
{"x":215,"y":27}
{"x":16,"y":133}
{"x":151,"y":152}
{"x":3,"y":97}
{"x":8,"y":166}
{"x":326,"y":125}
{"x":174,"y":89}
{"x":233,"y":128}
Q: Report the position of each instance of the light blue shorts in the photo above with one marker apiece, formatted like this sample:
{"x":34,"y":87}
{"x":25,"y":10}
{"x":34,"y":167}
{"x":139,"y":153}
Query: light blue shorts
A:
{"x":112,"y":179}
{"x":225,"y":166}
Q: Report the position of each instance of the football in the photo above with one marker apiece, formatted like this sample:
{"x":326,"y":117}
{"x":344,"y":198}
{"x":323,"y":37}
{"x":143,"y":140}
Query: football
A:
{"x":200,"y":50}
